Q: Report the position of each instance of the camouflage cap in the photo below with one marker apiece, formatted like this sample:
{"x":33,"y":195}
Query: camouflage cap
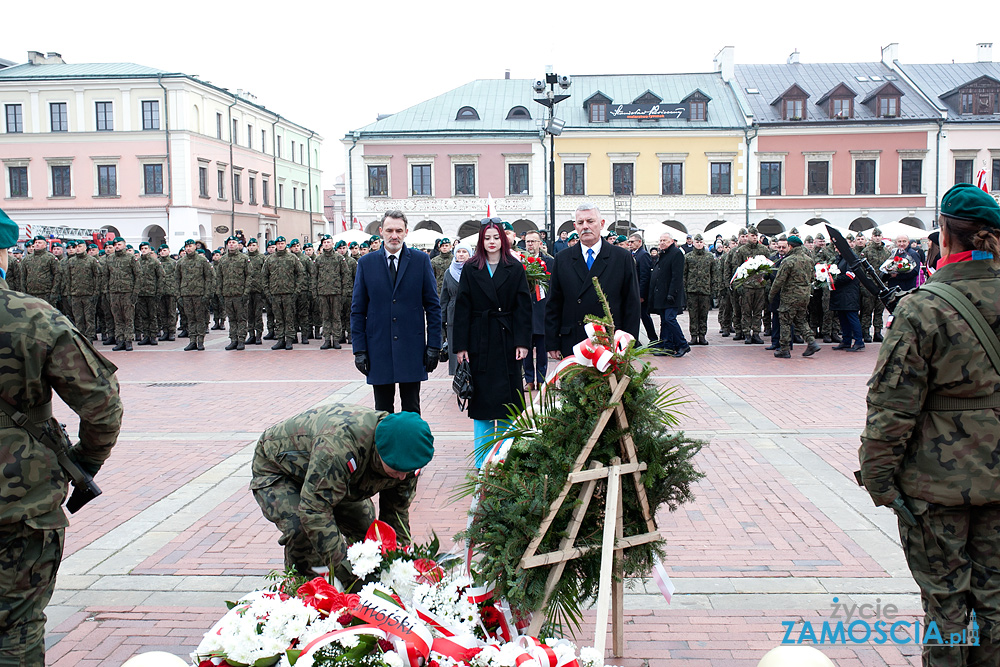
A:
{"x":782,"y":238}
{"x":820,"y":237}
{"x":849,"y":237}
{"x":752,"y":230}
{"x":733,"y":239}
{"x":9,"y":231}
{"x":743,"y":231}
{"x":876,"y":232}
{"x":793,"y":230}
{"x":967,"y":202}
{"x":809,"y":239}
{"x":404,"y":441}
{"x":698,"y":237}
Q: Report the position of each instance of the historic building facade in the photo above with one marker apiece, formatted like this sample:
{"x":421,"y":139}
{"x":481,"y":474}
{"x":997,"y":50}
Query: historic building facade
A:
{"x":150,"y":155}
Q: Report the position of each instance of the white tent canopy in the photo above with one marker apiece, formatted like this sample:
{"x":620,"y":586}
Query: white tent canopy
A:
{"x":423,"y":237}
{"x":891,"y":230}
{"x":352,"y":235}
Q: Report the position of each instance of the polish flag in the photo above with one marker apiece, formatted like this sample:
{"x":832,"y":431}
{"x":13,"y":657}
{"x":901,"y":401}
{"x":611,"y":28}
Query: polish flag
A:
{"x":981,"y":181}
{"x":355,"y":223}
{"x":662,"y":580}
{"x":490,"y":208}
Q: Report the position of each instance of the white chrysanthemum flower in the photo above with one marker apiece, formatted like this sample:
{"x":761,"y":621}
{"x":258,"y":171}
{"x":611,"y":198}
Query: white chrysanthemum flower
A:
{"x":401,"y":576}
{"x":590,"y":657}
{"x":365,"y":557}
{"x":392,"y":659}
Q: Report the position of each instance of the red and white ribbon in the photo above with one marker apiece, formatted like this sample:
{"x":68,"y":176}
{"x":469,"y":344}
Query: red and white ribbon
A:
{"x":460,"y":649}
{"x":306,"y":657}
{"x":399,"y":623}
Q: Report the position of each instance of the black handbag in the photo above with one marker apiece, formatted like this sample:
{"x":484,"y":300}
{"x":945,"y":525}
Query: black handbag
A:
{"x":461,"y":384}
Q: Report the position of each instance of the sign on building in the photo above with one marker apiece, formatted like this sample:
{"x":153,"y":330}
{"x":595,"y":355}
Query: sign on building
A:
{"x":644,"y":111}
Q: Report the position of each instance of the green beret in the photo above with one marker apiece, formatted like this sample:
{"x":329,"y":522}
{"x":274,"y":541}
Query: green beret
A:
{"x":145,"y":243}
{"x":308,"y":245}
{"x":445,"y":240}
{"x":374,"y":237}
{"x":9,"y":231}
{"x":697,"y":237}
{"x":820,"y":237}
{"x":70,"y":244}
{"x":101,"y":252}
{"x":251,"y":240}
{"x":621,"y":239}
{"x":294,"y":242}
{"x":189,"y":242}
{"x":794,"y":240}
{"x":164,"y":246}
{"x":232,"y":238}
{"x":967,"y":202}
{"x":404,"y":441}
{"x":507,"y":226}
{"x":129,"y":246}
{"x":201,"y":250}
{"x":118,"y":238}
{"x":339,"y":244}
{"x":280,"y":239}
{"x":572,"y":235}
{"x":352,"y":244}
{"x":752,"y":230}
{"x":270,"y":243}
{"x":39,"y":237}
{"x":365,"y":244}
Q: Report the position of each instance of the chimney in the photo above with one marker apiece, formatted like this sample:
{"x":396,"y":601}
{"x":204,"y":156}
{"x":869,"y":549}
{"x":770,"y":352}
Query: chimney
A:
{"x":36,"y":58}
{"x":506,"y":74}
{"x":793,"y":59}
{"x":53,"y":58}
{"x":984,"y":52}
{"x":724,"y":62}
{"x":890,"y":54}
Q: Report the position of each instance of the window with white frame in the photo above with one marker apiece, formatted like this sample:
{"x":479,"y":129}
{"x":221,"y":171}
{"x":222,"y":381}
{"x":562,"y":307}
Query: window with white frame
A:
{"x":16,"y":172}
{"x":574,"y":167}
{"x":720,"y":172}
{"x":378,"y":176}
{"x":672,"y":168}
{"x":517,"y":174}
{"x":865,"y":172}
{"x":911,"y":171}
{"x":464,"y":170}
{"x":421,"y":175}
{"x":819,"y":175}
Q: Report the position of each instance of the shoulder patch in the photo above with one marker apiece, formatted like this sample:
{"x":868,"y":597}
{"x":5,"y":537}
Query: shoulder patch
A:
{"x":352,"y":465}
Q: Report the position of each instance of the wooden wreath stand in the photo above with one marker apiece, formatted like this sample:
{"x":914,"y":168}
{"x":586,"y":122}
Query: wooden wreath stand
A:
{"x":614,"y":541}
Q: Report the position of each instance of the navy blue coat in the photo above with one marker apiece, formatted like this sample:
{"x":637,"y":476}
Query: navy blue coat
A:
{"x":643,"y":269}
{"x":395,"y":325}
{"x":666,"y":283}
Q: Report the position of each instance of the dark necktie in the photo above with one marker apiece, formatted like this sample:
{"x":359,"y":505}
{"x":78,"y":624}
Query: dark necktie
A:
{"x":392,"y":270}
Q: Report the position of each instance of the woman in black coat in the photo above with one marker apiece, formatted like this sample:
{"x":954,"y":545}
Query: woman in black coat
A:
{"x":492,"y":330}
{"x":845,"y":299}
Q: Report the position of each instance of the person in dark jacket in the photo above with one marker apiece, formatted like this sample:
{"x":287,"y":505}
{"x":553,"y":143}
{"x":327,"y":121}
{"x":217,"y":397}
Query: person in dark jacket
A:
{"x":908,"y":280}
{"x":666,"y":296}
{"x":492,"y":331}
{"x":845,"y":300}
{"x":643,"y":267}
{"x":449,"y":295}
{"x":536,"y":364}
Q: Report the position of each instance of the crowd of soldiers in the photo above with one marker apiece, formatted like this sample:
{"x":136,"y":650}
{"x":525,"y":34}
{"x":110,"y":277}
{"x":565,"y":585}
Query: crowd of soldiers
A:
{"x":125,"y":296}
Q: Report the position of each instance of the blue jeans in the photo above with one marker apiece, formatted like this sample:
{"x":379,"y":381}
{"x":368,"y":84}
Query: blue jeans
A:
{"x":483,"y":431}
{"x":536,"y":364}
{"x":671,"y":336}
{"x":850,"y":327}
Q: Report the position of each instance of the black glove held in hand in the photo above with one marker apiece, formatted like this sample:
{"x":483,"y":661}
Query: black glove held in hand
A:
{"x":361,"y":361}
{"x":431,"y":359}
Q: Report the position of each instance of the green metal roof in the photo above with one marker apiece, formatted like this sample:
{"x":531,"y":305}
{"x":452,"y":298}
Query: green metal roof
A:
{"x":494,"y":98}
{"x":78,"y":71}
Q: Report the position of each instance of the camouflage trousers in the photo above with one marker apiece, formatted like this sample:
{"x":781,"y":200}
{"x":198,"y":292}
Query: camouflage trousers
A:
{"x":698,"y":306}
{"x":218,"y":310}
{"x":329,"y":306}
{"x":736,"y":299}
{"x":345,"y":317}
{"x":280,"y":504}
{"x":281,"y":315}
{"x":954,"y":556}
{"x":789,"y":316}
{"x":725,"y":311}
{"x":168,"y":313}
{"x":821,"y":318}
{"x":255,"y":313}
{"x":123,"y":312}
{"x":304,"y":315}
{"x":29,"y":560}
{"x":104,"y":311}
{"x":237,"y":314}
{"x":147,"y":318}
{"x":196,"y":309}
{"x":752,"y":306}
{"x":871,"y":312}
{"x":85,"y":315}
{"x":182,"y":310}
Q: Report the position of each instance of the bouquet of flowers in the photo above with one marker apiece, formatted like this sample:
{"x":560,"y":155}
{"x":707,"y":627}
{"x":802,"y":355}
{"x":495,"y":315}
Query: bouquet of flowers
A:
{"x":752,"y":272}
{"x":825,"y":274}
{"x":538,"y":274}
{"x":897,"y":264}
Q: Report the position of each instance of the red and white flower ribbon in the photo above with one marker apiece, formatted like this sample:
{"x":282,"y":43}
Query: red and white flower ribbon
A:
{"x":591,"y":353}
{"x":306,"y":657}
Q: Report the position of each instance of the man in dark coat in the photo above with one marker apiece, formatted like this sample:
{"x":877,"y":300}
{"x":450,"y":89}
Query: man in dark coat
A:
{"x":395,"y":295}
{"x":572,"y":295}
{"x":643,"y":267}
{"x":666,"y":296}
{"x":536,"y":364}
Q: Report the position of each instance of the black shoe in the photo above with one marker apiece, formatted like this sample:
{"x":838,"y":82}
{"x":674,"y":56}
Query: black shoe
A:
{"x":240,"y":345}
{"x":162,"y":336}
{"x":797,"y":339}
{"x":756,"y":339}
{"x":257,"y":341}
{"x":336,"y":345}
{"x":812,"y":349}
{"x":216,"y":327}
{"x":289,"y":342}
{"x":681,"y":352}
{"x":748,"y":340}
{"x":152,"y":341}
{"x":877,"y":338}
{"x":109,"y":341}
{"x":783,"y":354}
{"x":842,"y":346}
{"x":725,"y":334}
{"x":201,"y":343}
{"x":119,"y":347}
{"x":739,"y":336}
{"x":128,"y":346}
{"x":867,"y":338}
{"x":280,"y":345}
{"x":773,"y":346}
{"x":327,"y":345}
{"x":269,"y":335}
{"x":835,"y":337}
{"x":304,"y":338}
{"x":766,"y":333}
{"x":183,"y":334}
{"x":145,"y":341}
{"x":170,"y":337}
{"x":192,"y":345}
{"x":250,"y":340}
{"x":828,"y":339}
{"x":855,"y":348}
{"x":702,"y":341}
{"x":232,"y":345}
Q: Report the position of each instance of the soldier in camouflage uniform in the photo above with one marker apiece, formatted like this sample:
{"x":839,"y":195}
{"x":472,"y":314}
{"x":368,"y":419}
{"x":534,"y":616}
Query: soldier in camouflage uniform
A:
{"x":315,"y":318}
{"x":736,"y":293}
{"x":822,"y":319}
{"x":104,"y":300}
{"x":933,"y":431}
{"x":83,"y":280}
{"x":699,"y":279}
{"x":345,"y":306}
{"x":306,"y":288}
{"x":123,"y":286}
{"x":722,"y":291}
{"x":233,"y":276}
{"x":791,"y":286}
{"x":442,"y":262}
{"x":314,"y":476}
{"x":64,"y":255}
{"x":40,"y":273}
{"x":14,"y":273}
{"x":195,"y":284}
{"x":282,"y":276}
{"x":42,"y":352}
{"x":753,"y":299}
{"x":150,"y":288}
{"x":255,"y":296}
{"x":332,"y":276}
{"x":168,"y":295}
{"x":871,"y":308}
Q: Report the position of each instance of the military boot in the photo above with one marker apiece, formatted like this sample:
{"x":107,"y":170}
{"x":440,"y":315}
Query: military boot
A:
{"x":725,"y":334}
{"x":289,"y":342}
{"x":877,"y":338}
{"x":304,"y":338}
{"x":756,"y":339}
{"x":343,"y":339}
{"x":811,"y":349}
{"x":835,"y":337}
{"x":240,"y":345}
{"x":118,"y":347}
{"x":269,"y":335}
{"x":128,"y":346}
{"x":192,"y":345}
{"x":217,"y":326}
{"x":702,"y":341}
{"x":201,"y":343}
{"x":336,"y":345}
{"x":739,"y":336}
{"x":110,"y":340}
{"x":144,"y":341}
{"x":867,"y":337}
{"x":162,"y":336}
{"x":183,"y":334}
{"x":152,"y":340}
{"x":170,"y":337}
{"x":327,"y":345}
{"x":250,"y":339}
{"x":231,"y":346}
{"x":280,"y":345}
{"x":783,"y":354}
{"x":258,"y":341}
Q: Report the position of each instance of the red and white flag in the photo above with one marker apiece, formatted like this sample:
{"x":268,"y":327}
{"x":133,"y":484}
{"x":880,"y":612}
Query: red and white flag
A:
{"x":490,"y":208}
{"x":663,"y":581}
{"x":981,"y":181}
{"x":343,"y":223}
{"x":355,"y":223}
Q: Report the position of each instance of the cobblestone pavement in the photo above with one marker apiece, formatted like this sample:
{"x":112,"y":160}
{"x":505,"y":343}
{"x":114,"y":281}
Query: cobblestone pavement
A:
{"x":777,"y":530}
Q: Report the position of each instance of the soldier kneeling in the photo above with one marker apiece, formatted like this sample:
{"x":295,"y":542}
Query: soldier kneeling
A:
{"x":315,"y":473}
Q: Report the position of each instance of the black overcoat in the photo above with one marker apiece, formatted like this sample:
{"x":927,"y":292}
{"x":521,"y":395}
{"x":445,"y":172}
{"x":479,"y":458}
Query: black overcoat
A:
{"x":666,"y":283}
{"x":492,"y":317}
{"x":847,"y":295}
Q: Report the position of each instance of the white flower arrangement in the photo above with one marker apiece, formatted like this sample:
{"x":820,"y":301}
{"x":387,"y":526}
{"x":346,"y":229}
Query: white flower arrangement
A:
{"x":365,"y":557}
{"x":754,"y":269}
{"x":401,"y":577}
{"x":447,"y":601}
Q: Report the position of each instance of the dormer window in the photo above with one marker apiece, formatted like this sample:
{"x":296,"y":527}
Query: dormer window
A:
{"x":467,"y":113}
{"x":839,"y":102}
{"x":518,"y":113}
{"x":794,"y":109}
{"x":697,"y":110}
{"x":598,"y":112}
{"x":840,"y":107}
{"x":980,"y":97}
{"x":884,"y":101}
{"x":793,"y":103}
{"x":888,"y":106}
{"x":697,"y":104}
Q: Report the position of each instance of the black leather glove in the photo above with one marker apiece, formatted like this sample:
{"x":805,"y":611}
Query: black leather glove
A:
{"x":361,"y":361}
{"x":431,"y":359}
{"x":87,"y":465}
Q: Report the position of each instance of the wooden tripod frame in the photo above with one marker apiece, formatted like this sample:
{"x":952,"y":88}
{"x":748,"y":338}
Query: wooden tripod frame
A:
{"x":614,"y":540}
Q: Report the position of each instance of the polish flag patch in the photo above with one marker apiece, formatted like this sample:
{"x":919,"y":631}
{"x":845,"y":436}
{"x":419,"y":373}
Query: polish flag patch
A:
{"x":352,"y":466}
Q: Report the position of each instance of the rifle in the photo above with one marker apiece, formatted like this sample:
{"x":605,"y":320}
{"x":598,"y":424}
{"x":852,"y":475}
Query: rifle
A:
{"x":866,"y":273}
{"x":84,"y":487}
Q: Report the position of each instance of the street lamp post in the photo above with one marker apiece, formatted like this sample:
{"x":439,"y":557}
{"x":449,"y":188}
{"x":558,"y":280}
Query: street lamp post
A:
{"x":553,"y":127}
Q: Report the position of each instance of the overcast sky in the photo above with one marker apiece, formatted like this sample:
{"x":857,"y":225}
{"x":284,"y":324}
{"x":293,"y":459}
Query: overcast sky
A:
{"x":333,"y":66}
